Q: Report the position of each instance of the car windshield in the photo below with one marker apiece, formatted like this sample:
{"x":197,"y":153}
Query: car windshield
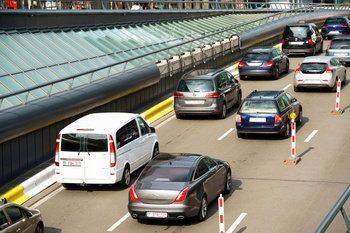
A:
{"x":166,"y":174}
{"x":340,"y":44}
{"x":298,"y":31}
{"x":197,"y":85}
{"x":257,"y":56}
{"x":258,"y":106}
{"x":335,"y":21}
{"x":313,"y":67}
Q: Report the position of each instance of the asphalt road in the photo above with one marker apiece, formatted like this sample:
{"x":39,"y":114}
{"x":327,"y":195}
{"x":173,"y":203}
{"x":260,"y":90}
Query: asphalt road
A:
{"x":268,"y":195}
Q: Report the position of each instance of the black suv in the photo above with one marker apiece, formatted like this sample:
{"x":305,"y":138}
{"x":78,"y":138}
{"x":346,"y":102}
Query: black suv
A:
{"x":302,"y":38}
{"x":206,"y":92}
{"x":267,"y":112}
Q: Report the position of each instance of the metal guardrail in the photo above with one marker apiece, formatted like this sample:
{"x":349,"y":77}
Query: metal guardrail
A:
{"x":338,"y":207}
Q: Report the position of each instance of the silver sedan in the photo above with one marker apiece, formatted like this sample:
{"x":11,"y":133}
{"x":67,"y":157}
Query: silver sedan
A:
{"x":178,"y":186}
{"x":319,"y":72}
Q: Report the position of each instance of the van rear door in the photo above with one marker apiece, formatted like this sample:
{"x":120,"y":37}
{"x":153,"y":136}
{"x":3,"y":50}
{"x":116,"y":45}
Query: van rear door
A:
{"x":84,"y":156}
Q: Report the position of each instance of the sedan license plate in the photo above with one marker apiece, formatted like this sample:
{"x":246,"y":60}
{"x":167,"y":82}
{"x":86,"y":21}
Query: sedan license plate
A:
{"x":156,"y":214}
{"x":257,"y":119}
{"x":296,"y":43}
{"x":71,"y":163}
{"x":194,"y":101}
{"x":312,"y":81}
{"x":254,"y":64}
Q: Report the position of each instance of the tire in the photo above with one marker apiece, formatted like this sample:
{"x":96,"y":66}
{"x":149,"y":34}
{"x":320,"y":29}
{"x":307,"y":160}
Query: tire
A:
{"x":277,"y":74}
{"x":240,"y":135}
{"x":296,"y":89}
{"x":344,"y":79}
{"x":334,"y":88}
{"x":228,"y":184}
{"x":287,"y":68}
{"x":223,"y":112}
{"x":242,"y":77}
{"x":239,"y":101}
{"x":321,"y":48}
{"x":68,"y":186}
{"x":202,"y":214}
{"x":178,"y":116}
{"x":313,"y":53}
{"x":39,"y":228}
{"x":300,"y":117}
{"x":125,"y":182}
{"x":287,"y":131}
{"x":155,"y":151}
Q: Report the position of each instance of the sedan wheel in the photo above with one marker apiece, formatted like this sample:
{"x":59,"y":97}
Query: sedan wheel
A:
{"x":39,"y":229}
{"x":275,"y":77}
{"x":228,"y":184}
{"x":202,"y":215}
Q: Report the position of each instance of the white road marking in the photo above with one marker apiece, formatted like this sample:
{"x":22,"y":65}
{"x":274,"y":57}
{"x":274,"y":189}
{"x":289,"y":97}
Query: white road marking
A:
{"x":120,"y":221}
{"x":225,"y":134}
{"x":311,"y":135}
{"x":286,"y":87}
{"x":164,"y":122}
{"x":235,"y":224}
{"x":35,"y":205}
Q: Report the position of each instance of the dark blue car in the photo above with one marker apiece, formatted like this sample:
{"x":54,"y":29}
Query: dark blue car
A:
{"x":335,"y":25}
{"x":267,"y":112}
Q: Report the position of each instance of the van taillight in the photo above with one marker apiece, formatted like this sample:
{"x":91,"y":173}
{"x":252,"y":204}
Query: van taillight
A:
{"x":57,"y":162}
{"x":112,"y":151}
{"x":178,"y":95}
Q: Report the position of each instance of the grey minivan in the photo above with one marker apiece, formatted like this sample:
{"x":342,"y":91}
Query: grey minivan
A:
{"x":206,"y":92}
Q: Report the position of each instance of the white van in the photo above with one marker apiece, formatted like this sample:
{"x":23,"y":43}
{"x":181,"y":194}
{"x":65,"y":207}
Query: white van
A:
{"x":104,"y":148}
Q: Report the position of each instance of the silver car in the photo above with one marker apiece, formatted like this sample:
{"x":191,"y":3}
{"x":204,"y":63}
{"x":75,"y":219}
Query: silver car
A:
{"x":206,"y":92}
{"x":319,"y":72}
{"x":339,"y":47}
{"x":178,"y":186}
{"x":17,"y":218}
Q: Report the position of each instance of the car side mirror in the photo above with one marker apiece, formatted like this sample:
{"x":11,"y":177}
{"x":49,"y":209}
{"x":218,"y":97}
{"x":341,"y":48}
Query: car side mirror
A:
{"x":294,"y":100}
{"x":153,"y":130}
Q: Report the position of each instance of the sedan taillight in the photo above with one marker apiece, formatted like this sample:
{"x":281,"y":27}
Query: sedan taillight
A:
{"x":241,"y":64}
{"x":132,"y":193}
{"x":182,"y":195}
{"x":328,"y":69}
{"x":269,"y":64}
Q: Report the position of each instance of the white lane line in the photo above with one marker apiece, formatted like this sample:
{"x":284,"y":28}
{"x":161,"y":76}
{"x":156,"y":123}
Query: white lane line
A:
{"x":225,"y":134}
{"x":311,"y":135}
{"x":164,"y":122}
{"x":235,"y":224}
{"x":120,"y":221}
{"x":286,"y":87}
{"x":35,"y":205}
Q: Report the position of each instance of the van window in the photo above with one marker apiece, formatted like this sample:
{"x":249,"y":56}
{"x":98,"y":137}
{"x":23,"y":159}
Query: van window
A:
{"x":144,"y":128}
{"x":127,"y":133}
{"x":81,"y":142}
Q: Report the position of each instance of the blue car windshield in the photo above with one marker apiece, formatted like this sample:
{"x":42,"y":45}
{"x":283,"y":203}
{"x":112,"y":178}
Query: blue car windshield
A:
{"x":258,"y":106}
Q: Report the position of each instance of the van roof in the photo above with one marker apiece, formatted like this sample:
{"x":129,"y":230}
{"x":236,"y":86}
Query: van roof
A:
{"x":99,"y":122}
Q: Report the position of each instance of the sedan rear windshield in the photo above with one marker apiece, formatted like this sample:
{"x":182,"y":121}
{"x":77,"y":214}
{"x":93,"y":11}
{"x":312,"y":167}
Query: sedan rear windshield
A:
{"x":166,"y":174}
{"x":335,"y":21}
{"x":197,"y":85}
{"x":258,"y":106}
{"x":80,"y":142}
{"x":340,"y":44}
{"x":313,"y":67}
{"x":257,"y":56}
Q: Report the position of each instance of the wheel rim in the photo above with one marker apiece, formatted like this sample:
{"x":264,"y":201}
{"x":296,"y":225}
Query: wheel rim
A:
{"x":228,"y":181}
{"x":223,"y":110}
{"x":127,"y":176}
{"x":204,"y":208}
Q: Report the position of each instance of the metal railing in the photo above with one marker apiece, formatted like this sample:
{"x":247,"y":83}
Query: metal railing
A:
{"x":338,"y":207}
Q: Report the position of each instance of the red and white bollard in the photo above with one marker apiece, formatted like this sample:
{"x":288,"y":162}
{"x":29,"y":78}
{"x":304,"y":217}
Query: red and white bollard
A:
{"x":337,"y":110}
{"x":221,"y":214}
{"x":293,"y":159}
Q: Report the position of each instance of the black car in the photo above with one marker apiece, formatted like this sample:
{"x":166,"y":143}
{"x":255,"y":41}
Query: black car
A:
{"x":206,"y":92}
{"x":263,"y":61}
{"x":177,"y":186}
{"x":302,"y":38}
{"x":335,"y":25}
{"x":267,"y":112}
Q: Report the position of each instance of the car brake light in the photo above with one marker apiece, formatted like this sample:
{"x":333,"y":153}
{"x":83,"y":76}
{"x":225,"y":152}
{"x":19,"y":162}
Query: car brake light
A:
{"x":178,"y":95}
{"x":309,"y":42}
{"x":328,"y":70}
{"x":182,"y":195}
{"x":325,"y":26}
{"x":57,"y":162}
{"x":133,"y":194}
{"x":297,"y":70}
{"x":344,"y":26}
{"x":241,"y":64}
{"x":329,"y":44}
{"x":238,"y":118}
{"x":278,"y":118}
{"x":269,"y":64}
{"x":113,"y":161}
{"x":212,"y":95}
{"x":283,"y":42}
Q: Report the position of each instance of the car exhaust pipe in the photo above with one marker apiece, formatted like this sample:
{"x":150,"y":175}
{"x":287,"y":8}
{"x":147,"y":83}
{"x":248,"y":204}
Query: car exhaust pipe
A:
{"x":180,"y":217}
{"x":134,"y":216}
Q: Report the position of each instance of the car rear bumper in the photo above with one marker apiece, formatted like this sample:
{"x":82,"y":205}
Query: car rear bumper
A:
{"x":297,"y":50}
{"x":213,"y":110}
{"x":257,"y":73}
{"x":261,"y":130}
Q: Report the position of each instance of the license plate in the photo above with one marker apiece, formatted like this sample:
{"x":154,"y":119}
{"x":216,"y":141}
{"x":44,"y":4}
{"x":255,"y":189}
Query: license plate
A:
{"x":254,"y":64}
{"x":340,"y":54}
{"x":257,"y":119}
{"x":156,"y":214}
{"x":296,"y":43}
{"x":312,"y":81}
{"x":71,"y":163}
{"x":194,"y":101}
